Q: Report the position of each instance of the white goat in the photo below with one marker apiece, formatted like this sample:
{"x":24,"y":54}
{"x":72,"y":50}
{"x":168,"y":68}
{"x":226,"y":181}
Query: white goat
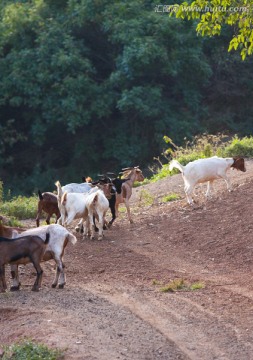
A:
{"x":59,"y":238}
{"x":84,"y":207}
{"x":206,"y":170}
{"x":70,"y":188}
{"x":77,"y":188}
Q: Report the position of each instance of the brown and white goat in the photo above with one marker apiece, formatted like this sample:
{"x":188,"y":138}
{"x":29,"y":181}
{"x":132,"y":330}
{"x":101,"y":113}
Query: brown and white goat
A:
{"x":49,"y":204}
{"x":29,"y":248}
{"x":132,"y":174}
{"x":59,"y":239}
{"x":206,"y":170}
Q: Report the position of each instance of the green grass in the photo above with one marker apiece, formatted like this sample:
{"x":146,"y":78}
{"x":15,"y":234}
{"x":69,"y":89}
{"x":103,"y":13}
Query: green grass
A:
{"x":239,"y":147}
{"x":181,"y":284}
{"x":146,"y":198}
{"x":170,"y":197}
{"x":20,"y":207}
{"x":29,"y":350}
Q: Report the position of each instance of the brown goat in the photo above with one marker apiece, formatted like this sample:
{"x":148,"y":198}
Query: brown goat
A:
{"x":22,"y":250}
{"x":49,"y":204}
{"x":8,"y":231}
{"x":132,"y":174}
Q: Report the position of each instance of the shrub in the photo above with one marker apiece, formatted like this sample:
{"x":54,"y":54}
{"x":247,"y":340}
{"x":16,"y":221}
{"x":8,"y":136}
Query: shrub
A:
{"x":239,"y":147}
{"x":32,"y":351}
{"x":20,"y":207}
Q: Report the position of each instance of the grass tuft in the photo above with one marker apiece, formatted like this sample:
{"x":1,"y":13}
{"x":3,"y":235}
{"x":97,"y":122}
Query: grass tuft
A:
{"x":28,"y":349}
{"x":170,"y":197}
{"x":181,"y":284}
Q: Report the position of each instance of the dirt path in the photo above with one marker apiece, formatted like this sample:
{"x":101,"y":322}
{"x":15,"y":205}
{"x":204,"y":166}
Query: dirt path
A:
{"x":112,"y":306}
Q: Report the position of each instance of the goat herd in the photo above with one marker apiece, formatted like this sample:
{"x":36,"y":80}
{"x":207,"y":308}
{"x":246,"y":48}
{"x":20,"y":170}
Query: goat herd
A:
{"x":89,"y":202}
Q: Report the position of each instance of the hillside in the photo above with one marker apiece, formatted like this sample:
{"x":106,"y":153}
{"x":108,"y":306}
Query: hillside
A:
{"x":112,"y":306}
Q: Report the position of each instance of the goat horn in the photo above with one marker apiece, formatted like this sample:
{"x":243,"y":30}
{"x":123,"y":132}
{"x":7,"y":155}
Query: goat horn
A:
{"x":128,"y":168}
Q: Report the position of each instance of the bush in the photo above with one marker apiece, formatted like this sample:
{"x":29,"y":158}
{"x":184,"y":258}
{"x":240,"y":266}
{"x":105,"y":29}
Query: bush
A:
{"x":20,"y":207}
{"x":32,"y":351}
{"x":239,"y":147}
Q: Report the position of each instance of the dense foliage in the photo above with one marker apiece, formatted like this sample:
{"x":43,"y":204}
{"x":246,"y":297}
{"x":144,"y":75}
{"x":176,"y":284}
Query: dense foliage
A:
{"x":214,"y":14}
{"x":88,"y":86}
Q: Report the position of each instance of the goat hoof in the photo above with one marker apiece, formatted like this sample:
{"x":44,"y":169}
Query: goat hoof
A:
{"x":77,"y":229}
{"x":53,"y":286}
{"x":100,"y":237}
{"x":61,"y":286}
{"x":15,"y":288}
{"x":35,"y":289}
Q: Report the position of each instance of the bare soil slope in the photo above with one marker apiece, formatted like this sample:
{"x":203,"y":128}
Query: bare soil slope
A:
{"x":112,"y":306}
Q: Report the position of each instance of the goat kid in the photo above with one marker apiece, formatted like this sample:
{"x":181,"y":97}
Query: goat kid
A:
{"x":49,"y":204}
{"x":206,"y":170}
{"x":22,"y":250}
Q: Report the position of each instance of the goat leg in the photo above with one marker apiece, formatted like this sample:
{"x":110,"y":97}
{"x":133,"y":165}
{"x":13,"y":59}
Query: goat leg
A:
{"x":15,"y":278}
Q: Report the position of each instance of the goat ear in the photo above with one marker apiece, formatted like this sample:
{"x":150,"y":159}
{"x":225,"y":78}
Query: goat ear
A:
{"x":94,"y":183}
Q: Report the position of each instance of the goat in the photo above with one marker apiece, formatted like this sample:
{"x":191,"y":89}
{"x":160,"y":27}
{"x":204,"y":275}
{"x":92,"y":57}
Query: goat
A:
{"x":206,"y":170}
{"x":59,"y":238}
{"x":8,"y":231}
{"x":84,"y":206}
{"x":22,"y":250}
{"x":47,"y":203}
{"x":132,"y":174}
{"x":70,"y":188}
{"x":117,"y":187}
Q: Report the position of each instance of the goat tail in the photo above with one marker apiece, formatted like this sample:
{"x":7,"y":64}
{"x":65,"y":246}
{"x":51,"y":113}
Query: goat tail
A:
{"x":47,"y":238}
{"x":177,"y":165}
{"x":59,"y":189}
{"x":64,"y":199}
{"x":95,"y":199}
{"x":72,"y":238}
{"x":40,"y":195}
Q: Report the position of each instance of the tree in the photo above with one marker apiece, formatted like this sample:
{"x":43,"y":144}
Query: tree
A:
{"x":214,"y":15}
